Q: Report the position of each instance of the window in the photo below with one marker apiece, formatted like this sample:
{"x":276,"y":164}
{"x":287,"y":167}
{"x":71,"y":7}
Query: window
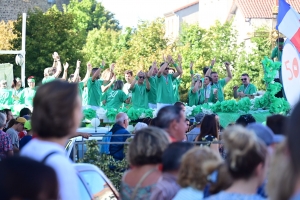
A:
{"x":97,"y":185}
{"x":83,"y":193}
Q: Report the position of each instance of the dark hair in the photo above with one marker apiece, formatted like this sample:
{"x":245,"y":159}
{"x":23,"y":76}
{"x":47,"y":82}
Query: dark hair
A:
{"x":24,"y":178}
{"x":25,"y":111}
{"x":94,"y":71}
{"x":209,"y":126}
{"x":128,"y":72}
{"x":245,"y":75}
{"x":277,"y":123}
{"x":161,"y":64}
{"x":213,"y":73}
{"x":205,"y":70}
{"x":153,"y":122}
{"x":167,"y":115}
{"x":293,"y":138}
{"x":224,"y":180}
{"x":53,"y":108}
{"x":210,"y":79}
{"x":171,"y":157}
{"x":179,"y":104}
{"x":279,"y":40}
{"x":11,"y":123}
{"x":244,"y":120}
{"x":172,"y":69}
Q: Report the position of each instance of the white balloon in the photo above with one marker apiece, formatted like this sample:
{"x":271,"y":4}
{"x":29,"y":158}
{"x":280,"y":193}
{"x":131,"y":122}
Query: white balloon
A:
{"x":95,"y":122}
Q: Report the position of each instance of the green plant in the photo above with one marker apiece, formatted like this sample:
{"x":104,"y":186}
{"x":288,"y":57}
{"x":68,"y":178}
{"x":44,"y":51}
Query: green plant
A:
{"x":111,"y":168}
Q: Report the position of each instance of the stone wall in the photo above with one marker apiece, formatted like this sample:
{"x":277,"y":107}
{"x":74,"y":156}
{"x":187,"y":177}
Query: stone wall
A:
{"x":9,"y":9}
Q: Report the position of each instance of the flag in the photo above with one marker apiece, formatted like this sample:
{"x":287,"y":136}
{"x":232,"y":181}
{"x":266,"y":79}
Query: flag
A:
{"x":288,"y":23}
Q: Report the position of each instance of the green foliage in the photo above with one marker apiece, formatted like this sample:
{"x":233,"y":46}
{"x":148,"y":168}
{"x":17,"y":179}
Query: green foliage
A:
{"x":90,"y":14}
{"x":105,"y":162}
{"x":46,"y":33}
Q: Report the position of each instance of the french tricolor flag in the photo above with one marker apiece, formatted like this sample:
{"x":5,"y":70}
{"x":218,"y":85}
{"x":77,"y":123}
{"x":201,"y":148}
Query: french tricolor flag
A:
{"x":288,"y":23}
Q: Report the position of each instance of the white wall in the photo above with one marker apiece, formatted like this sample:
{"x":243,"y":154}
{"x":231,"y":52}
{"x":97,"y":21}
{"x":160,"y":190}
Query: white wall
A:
{"x":212,"y":10}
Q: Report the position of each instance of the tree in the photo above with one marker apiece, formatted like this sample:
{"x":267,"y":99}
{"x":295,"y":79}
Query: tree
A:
{"x":46,"y":33}
{"x":101,"y":45}
{"x":6,"y":30}
{"x":90,"y":14}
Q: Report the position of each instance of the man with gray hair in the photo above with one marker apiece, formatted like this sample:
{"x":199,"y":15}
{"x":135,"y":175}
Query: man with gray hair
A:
{"x":172,"y":120}
{"x":119,"y":128}
{"x":6,"y":148}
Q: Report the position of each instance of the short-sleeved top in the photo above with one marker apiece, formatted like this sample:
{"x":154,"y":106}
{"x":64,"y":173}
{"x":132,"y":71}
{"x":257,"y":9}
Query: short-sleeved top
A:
{"x":6,"y":97}
{"x":152,"y":96}
{"x":139,"y":96}
{"x":176,"y":84}
{"x":48,"y":79}
{"x":235,"y":196}
{"x":165,"y":92}
{"x":25,"y":140}
{"x":114,"y":98}
{"x":13,"y":134}
{"x":194,"y":98}
{"x":16,"y":95}
{"x":220,"y":85}
{"x":94,"y":92}
{"x":27,"y":96}
{"x":276,"y":54}
{"x":250,"y":89}
{"x":5,"y":144}
{"x":80,"y":88}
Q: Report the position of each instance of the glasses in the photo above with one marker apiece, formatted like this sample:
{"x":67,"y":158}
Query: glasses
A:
{"x":243,"y":79}
{"x":167,"y":68}
{"x":142,"y":77}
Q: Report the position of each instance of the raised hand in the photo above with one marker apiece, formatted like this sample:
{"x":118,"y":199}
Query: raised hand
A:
{"x":154,"y":64}
{"x":235,"y":88}
{"x":66,"y":66}
{"x":179,"y":58}
{"x":55,"y":56}
{"x":78,"y":63}
{"x":169,"y":59}
{"x":227,"y":64}
{"x":112,"y":66}
{"x":103,"y":63}
{"x":191,"y":65}
{"x":213,"y":62}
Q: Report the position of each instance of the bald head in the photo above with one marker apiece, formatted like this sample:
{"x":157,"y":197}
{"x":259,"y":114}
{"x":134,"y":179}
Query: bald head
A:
{"x":122,"y":119}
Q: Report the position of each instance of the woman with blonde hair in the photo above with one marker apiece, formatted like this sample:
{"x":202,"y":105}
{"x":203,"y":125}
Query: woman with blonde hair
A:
{"x":246,"y":162}
{"x":145,"y":158}
{"x":197,"y":164}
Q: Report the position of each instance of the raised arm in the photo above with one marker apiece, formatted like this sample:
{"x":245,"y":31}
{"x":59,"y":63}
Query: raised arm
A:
{"x":191,"y":69}
{"x":208,"y":72}
{"x":147,"y":83}
{"x":196,"y":87}
{"x":150,"y":73}
{"x":229,"y":75}
{"x":76,"y":73}
{"x":235,"y":93}
{"x":58,"y":67}
{"x":133,"y":83}
{"x":104,"y":88}
{"x":65,"y":74}
{"x":88,"y":73}
{"x":178,"y":67}
{"x":163,"y":67}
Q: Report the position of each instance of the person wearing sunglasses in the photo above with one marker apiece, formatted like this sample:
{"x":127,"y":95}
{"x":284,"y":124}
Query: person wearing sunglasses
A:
{"x":246,"y":89}
{"x":165,"y":91}
{"x":140,"y":88}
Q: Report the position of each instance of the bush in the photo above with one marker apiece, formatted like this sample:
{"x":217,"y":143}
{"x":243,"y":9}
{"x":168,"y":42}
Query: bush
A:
{"x":105,"y":163}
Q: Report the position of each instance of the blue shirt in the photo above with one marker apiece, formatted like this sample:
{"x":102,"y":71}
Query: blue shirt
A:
{"x":117,"y":150}
{"x":24,"y":141}
{"x":234,"y":196}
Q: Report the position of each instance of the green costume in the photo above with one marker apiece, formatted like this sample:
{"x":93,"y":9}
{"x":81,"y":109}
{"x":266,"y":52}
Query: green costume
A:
{"x":17,"y":96}
{"x":114,"y":98}
{"x":220,"y":85}
{"x":194,"y":98}
{"x":176,"y":84}
{"x":165,"y":92}
{"x":27,"y":96}
{"x":276,"y":53}
{"x":139,"y":96}
{"x":94,"y":92}
{"x":80,"y":88}
{"x":206,"y":93}
{"x":6,"y":97}
{"x":48,"y":79}
{"x":152,"y":93}
{"x":85,"y":96}
{"x":250,"y":89}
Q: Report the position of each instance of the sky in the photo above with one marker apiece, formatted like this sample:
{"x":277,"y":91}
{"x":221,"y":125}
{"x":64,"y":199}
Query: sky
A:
{"x":129,"y":12}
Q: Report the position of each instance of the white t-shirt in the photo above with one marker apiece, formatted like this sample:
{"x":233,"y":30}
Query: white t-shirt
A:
{"x":62,"y":165}
{"x":126,"y":87}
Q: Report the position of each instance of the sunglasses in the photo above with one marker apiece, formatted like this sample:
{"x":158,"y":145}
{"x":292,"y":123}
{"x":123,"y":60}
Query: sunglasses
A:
{"x":243,"y":79}
{"x":142,"y":77}
{"x":167,"y":68}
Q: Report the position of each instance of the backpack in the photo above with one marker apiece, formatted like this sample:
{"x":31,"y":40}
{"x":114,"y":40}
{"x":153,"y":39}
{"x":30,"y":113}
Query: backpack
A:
{"x":105,"y":147}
